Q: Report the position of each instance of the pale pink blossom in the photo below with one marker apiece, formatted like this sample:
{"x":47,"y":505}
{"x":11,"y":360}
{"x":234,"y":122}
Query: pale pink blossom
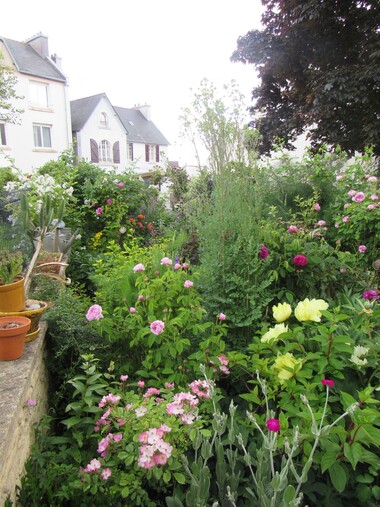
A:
{"x":140,"y":298}
{"x":139,"y":267}
{"x":151,"y":391}
{"x":223,"y":360}
{"x":188,"y":284}
{"x":293,"y":229}
{"x":124,"y":378}
{"x":121,"y":184}
{"x":336,"y":224}
{"x":321,"y":223}
{"x":346,"y":219}
{"x":317,"y":206}
{"x":374,"y":197}
{"x":371,"y":206}
{"x":32,"y":403}
{"x":222,"y":316}
{"x":362,"y":248}
{"x":187,"y":418}
{"x":185,"y":265}
{"x":132,"y":309}
{"x":157,"y":327}
{"x":177,"y":266}
{"x":140,"y":411}
{"x":351,"y":193}
{"x":359,"y":197}
{"x":347,"y":205}
{"x":106,"y":474}
{"x":372,"y":179}
{"x":140,"y":383}
{"x":93,"y":466}
{"x":340,"y":177}
{"x":94,"y":313}
{"x":109,"y":398}
{"x":166,"y":261}
{"x":99,"y":211}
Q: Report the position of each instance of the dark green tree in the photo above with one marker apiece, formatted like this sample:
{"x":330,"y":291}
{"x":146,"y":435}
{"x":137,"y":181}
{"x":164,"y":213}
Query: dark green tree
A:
{"x":319,"y":65}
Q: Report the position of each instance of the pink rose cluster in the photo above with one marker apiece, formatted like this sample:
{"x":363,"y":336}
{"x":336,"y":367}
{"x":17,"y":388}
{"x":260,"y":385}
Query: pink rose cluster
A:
{"x":223,"y":365}
{"x":106,"y":443}
{"x":183,"y":405}
{"x":155,"y":450}
{"x":94,"y":313}
{"x":201,"y":388}
{"x":94,"y":467}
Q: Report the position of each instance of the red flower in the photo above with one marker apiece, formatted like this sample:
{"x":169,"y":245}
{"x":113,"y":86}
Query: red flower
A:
{"x":140,"y":224}
{"x":149,"y":227}
{"x":327,"y":382}
{"x":300,"y":260}
{"x":141,"y":217}
{"x":132,"y":220}
{"x":273,"y":425}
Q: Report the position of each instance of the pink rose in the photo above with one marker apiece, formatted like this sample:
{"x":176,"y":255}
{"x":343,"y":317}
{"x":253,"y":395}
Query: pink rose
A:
{"x":185,"y":265}
{"x":139,"y":267}
{"x":221,"y":316}
{"x":359,"y":197}
{"x":121,"y":184}
{"x":293,"y":229}
{"x":346,"y":219}
{"x":157,"y":327}
{"x":362,"y":248}
{"x":188,"y":284}
{"x":166,"y":261}
{"x":94,"y":313}
{"x":300,"y":260}
{"x":99,"y":211}
{"x":132,"y":309}
{"x":317,"y":207}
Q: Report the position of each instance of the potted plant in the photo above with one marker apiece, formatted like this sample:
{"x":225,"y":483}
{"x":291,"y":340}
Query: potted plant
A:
{"x":12,"y":294}
{"x":12,"y":337}
{"x":33,"y":310}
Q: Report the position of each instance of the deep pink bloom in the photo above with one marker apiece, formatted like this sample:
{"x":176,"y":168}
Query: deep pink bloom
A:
{"x":300,"y":260}
{"x":177,"y":265}
{"x":94,"y":313}
{"x":362,"y":248}
{"x":264,"y":252}
{"x":293,"y":229}
{"x":317,"y":207}
{"x":359,"y":197}
{"x":221,"y":316}
{"x":273,"y":425}
{"x":99,"y":211}
{"x":109,"y":201}
{"x":32,"y":403}
{"x":185,"y":265}
{"x":327,"y":382}
{"x":157,"y":327}
{"x":188,"y":284}
{"x":121,"y":184}
{"x":371,"y":295}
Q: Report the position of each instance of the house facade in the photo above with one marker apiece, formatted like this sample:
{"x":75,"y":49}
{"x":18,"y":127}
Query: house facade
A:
{"x":43,"y":130}
{"x":116,"y":136}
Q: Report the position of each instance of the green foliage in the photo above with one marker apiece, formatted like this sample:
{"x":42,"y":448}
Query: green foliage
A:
{"x":11,"y":266}
{"x":326,"y":87}
{"x":8,"y":112}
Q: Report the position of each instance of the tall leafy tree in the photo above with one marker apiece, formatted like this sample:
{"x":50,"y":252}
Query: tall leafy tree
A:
{"x":319,"y":65}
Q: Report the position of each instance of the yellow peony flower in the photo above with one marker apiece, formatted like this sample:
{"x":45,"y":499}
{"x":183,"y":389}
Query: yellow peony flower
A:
{"x":274,"y":333}
{"x":310,"y":309}
{"x":282,"y":312}
{"x":286,"y":366}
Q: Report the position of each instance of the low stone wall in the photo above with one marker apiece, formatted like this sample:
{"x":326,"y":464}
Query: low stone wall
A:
{"x":21,"y":380}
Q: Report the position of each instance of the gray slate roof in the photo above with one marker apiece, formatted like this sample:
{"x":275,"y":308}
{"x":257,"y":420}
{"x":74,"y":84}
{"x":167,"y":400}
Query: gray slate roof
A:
{"x":138,"y":128}
{"x":28,"y":61}
{"x":81,"y":110}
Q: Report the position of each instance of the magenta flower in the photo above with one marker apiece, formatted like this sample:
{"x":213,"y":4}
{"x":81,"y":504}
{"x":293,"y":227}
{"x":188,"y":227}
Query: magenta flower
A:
{"x":264,"y":252}
{"x":32,"y":403}
{"x":327,"y":382}
{"x":273,"y":425}
{"x":300,"y":261}
{"x":362,"y":248}
{"x":371,"y":295}
{"x":221,"y":316}
{"x":293,"y":229}
{"x":121,"y":184}
{"x":94,"y":313}
{"x":157,"y":327}
{"x":99,"y":211}
{"x":109,"y":201}
{"x":317,"y":206}
{"x":359,"y":197}
{"x":188,"y":284}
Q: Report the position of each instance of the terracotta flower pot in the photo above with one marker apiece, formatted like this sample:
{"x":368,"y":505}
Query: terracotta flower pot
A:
{"x":12,"y":337}
{"x":12,"y":296}
{"x":33,"y":310}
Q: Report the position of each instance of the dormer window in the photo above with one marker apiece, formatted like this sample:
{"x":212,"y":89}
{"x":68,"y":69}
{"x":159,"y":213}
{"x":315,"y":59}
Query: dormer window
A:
{"x":103,"y":121}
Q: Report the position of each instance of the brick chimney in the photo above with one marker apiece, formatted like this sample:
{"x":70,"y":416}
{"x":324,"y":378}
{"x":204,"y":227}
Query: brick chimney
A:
{"x":39,"y":43}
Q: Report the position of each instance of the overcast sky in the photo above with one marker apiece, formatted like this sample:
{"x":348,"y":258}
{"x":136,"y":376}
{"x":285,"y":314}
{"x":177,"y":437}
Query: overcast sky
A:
{"x":142,"y":51}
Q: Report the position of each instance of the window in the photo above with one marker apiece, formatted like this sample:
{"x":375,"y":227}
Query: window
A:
{"x":3,"y":139}
{"x":39,"y":94}
{"x":152,"y":153}
{"x":130,"y":151}
{"x":42,"y":136}
{"x":104,"y":151}
{"x":103,"y":122}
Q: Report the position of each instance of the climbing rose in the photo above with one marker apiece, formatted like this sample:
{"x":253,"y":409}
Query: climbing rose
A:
{"x":300,"y":260}
{"x":273,"y":425}
{"x":94,"y":313}
{"x":106,"y":474}
{"x":188,"y":284}
{"x":157,"y":327}
{"x":264,"y":252}
{"x":327,"y":382}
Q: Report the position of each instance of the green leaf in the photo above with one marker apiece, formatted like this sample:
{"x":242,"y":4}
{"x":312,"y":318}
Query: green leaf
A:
{"x":368,"y":434}
{"x":338,"y":476}
{"x":289,"y":494}
{"x":353,"y":453}
{"x":180,"y":478}
{"x":328,"y":459}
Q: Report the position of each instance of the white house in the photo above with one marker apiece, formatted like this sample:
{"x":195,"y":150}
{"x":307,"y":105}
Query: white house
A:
{"x":116,"y":136}
{"x":44,"y":128}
